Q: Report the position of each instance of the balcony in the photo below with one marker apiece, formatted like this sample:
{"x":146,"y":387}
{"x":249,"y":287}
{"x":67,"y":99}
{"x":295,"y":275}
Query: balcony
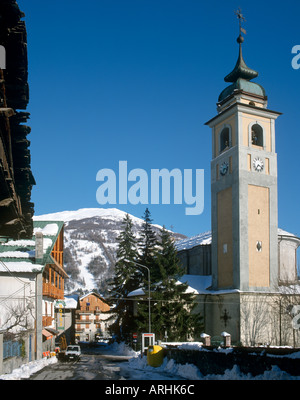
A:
{"x":52,"y":291}
{"x":83,"y":321}
{"x":47,"y":321}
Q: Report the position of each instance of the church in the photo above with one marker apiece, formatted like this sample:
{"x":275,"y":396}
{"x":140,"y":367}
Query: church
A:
{"x":254,"y":292}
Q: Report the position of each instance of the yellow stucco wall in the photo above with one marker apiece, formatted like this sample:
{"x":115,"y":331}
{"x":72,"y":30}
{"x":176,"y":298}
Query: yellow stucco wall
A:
{"x":265,"y":123}
{"x":258,"y":231}
{"x":225,"y":258}
{"x":219,"y":127}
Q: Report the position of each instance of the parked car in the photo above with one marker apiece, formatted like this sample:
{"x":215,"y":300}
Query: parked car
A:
{"x":73,"y":352}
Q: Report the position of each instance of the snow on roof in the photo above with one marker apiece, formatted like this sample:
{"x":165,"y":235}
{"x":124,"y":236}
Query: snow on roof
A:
{"x":15,"y":254}
{"x":20,"y":266}
{"x":19,"y":243}
{"x":206,"y":238}
{"x":281,"y":232}
{"x":92,"y":293}
{"x":48,"y":230}
{"x":201,"y":239}
{"x":18,"y":255}
{"x":22,"y":248}
{"x":70,"y":302}
{"x":197,"y":284}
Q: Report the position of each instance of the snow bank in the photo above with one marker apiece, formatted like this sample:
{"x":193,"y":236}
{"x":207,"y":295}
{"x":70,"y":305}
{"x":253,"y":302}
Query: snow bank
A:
{"x":191,"y":372}
{"x":121,"y":349}
{"x":138,"y":367}
{"x":26,"y":370}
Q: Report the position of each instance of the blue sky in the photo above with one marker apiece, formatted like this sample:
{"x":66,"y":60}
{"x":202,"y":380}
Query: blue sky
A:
{"x":136,"y":80}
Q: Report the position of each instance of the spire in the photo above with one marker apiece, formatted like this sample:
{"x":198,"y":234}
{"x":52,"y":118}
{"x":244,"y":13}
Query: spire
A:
{"x":241,"y":74}
{"x":240,"y":70}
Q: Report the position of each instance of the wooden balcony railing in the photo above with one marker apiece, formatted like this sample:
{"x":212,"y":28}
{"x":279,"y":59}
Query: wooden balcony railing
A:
{"x":47,"y":321}
{"x":83,"y":321}
{"x":52,"y":291}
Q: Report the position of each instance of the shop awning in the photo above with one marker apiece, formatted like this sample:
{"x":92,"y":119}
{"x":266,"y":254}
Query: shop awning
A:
{"x":47,"y":334}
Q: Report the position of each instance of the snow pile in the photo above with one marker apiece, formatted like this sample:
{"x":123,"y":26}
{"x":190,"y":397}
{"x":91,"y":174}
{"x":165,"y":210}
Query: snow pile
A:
{"x":191,"y":346}
{"x":168,"y":368}
{"x":191,"y":372}
{"x":121,"y":349}
{"x":235,"y":374}
{"x":187,"y":371}
{"x":26,"y":370}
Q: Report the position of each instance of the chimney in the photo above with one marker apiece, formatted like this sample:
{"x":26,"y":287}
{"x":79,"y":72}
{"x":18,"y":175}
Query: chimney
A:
{"x":39,"y":246}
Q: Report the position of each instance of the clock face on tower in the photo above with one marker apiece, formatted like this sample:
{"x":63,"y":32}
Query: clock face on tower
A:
{"x":258,"y":164}
{"x":224,"y":168}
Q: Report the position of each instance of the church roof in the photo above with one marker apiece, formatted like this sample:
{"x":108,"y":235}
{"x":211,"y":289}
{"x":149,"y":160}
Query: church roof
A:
{"x":205,"y":238}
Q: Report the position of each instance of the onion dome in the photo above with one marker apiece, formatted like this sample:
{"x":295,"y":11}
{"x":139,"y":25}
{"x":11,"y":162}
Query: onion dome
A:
{"x":241,"y":76}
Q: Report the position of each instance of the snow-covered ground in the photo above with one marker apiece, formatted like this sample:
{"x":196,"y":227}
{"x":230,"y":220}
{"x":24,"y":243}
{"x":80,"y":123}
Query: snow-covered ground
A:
{"x":136,"y":368}
{"x":26,"y":370}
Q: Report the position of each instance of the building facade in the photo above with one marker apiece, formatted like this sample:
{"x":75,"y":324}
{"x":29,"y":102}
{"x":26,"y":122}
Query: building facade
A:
{"x":92,"y":319}
{"x":31,"y":280}
{"x":245,"y":266}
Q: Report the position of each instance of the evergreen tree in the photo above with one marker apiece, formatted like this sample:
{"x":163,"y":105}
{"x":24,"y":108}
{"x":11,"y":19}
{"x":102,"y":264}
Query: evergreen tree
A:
{"x":148,"y":241}
{"x":124,"y":281}
{"x":171,"y":304}
{"x":147,"y":257}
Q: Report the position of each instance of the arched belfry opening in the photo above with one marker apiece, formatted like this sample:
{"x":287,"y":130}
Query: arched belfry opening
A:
{"x":257,"y":136}
{"x":224,"y":139}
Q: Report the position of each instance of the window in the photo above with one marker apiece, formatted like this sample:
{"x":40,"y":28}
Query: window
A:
{"x":257,"y":137}
{"x":224,"y":139}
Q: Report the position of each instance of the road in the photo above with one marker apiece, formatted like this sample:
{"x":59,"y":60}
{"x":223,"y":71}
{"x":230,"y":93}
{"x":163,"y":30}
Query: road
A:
{"x":89,"y":367}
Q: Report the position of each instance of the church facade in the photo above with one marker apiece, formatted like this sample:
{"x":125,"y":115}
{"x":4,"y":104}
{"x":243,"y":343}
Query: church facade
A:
{"x":254,"y":292}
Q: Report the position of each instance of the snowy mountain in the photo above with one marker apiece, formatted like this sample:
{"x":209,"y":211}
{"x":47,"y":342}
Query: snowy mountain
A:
{"x":90,"y":244}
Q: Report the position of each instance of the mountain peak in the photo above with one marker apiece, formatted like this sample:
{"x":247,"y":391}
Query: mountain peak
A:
{"x":90,"y":243}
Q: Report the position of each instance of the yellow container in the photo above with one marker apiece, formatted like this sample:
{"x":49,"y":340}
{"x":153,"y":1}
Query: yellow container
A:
{"x":155,"y":356}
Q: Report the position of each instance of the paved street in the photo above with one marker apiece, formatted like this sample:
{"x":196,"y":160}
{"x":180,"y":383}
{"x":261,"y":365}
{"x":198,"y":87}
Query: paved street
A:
{"x":89,"y":367}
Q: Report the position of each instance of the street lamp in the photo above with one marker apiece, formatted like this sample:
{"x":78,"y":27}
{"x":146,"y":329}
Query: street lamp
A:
{"x":143,"y":266}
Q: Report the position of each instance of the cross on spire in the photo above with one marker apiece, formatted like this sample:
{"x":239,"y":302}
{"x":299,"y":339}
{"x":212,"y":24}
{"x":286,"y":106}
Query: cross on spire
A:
{"x":241,"y":19}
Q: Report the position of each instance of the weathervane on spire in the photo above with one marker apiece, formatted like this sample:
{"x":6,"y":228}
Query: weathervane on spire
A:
{"x":241,"y":19}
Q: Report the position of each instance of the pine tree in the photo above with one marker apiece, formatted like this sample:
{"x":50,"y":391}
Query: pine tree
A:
{"x":148,"y":241}
{"x":124,"y":281}
{"x":147,"y":258}
{"x":172,"y":312}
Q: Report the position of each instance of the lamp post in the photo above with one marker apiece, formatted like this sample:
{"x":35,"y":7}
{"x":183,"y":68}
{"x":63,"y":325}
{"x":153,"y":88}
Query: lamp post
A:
{"x":143,"y":266}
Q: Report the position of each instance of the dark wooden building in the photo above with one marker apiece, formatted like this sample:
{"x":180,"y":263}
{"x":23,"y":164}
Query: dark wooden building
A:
{"x":16,"y":178}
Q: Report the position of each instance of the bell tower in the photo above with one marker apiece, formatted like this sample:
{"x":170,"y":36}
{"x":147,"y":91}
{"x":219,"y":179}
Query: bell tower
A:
{"x":244,"y":184}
